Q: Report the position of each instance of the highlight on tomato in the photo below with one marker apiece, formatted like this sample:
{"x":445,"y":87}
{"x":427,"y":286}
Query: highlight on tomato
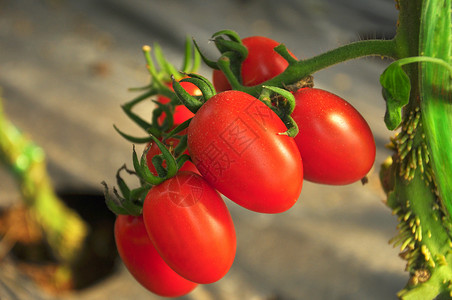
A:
{"x":191,"y":228}
{"x":335,"y":141}
{"x":261,"y":64}
{"x":143,"y":261}
{"x":237,"y":144}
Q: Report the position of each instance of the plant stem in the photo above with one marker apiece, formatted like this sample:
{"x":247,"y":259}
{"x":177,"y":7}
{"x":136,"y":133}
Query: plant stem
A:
{"x":64,"y":229}
{"x":420,"y":163}
{"x":302,"y":68}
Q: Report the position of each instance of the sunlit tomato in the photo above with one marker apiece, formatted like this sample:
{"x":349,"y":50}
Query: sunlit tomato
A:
{"x":235,"y":142}
{"x":154,"y":150}
{"x":181,"y":113}
{"x":261,"y":64}
{"x":191,"y":227}
{"x":143,"y":261}
{"x":335,"y":142}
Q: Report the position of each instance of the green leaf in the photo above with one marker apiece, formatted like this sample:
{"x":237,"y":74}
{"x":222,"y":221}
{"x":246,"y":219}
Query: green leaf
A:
{"x":396,"y":91}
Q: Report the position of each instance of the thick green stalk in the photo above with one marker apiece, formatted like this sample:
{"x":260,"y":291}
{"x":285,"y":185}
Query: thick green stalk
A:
{"x":436,"y":94}
{"x":64,"y":229}
{"x":412,"y":176}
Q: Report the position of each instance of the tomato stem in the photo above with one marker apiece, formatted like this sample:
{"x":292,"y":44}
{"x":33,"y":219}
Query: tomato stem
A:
{"x":224,"y":63}
{"x":282,"y":50}
{"x":302,"y":68}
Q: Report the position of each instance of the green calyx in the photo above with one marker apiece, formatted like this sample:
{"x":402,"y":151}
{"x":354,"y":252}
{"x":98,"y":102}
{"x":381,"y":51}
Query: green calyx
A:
{"x":283,"y":105}
{"x":127,"y":201}
{"x":233,"y":53}
{"x":161,"y":75}
{"x":163,"y":173}
{"x":130,"y":201}
{"x":191,"y":102}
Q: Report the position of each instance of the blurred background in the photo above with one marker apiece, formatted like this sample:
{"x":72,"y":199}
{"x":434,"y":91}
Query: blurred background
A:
{"x":65,"y":69}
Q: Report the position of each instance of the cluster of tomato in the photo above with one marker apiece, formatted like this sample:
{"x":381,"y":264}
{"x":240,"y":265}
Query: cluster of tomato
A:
{"x":239,"y":148}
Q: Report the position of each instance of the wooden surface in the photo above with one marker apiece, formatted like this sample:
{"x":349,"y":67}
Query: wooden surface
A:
{"x":65,"y":67}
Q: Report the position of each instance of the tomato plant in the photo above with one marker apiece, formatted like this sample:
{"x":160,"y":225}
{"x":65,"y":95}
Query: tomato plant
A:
{"x":261,"y":64}
{"x":335,"y":142}
{"x":181,"y":113}
{"x":191,"y":227}
{"x":242,"y":147}
{"x":236,"y":142}
{"x":143,"y":261}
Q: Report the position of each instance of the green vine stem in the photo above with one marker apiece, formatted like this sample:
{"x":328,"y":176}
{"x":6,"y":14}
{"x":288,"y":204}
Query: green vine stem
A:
{"x":303,"y":68}
{"x":63,"y":228}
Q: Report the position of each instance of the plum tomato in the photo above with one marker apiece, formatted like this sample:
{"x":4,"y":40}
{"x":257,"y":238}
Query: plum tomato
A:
{"x":191,"y":228}
{"x":261,"y":64}
{"x":143,"y":261}
{"x":235,"y":141}
{"x":335,"y":141}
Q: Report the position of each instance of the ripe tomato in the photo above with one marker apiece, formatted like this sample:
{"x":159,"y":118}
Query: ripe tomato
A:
{"x":191,"y":227}
{"x":335,"y":142}
{"x":154,"y":150}
{"x":143,"y":261}
{"x":181,"y":113}
{"x":234,"y":141}
{"x":261,"y":64}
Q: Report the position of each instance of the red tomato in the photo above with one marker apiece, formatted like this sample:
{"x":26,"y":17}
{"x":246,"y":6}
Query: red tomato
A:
{"x":261,"y":64}
{"x":143,"y":261}
{"x":181,"y":113}
{"x":335,"y":142}
{"x":234,"y":140}
{"x":154,"y":150}
{"x":191,"y":227}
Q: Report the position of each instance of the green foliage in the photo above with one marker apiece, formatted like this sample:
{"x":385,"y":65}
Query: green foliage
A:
{"x":396,"y":91}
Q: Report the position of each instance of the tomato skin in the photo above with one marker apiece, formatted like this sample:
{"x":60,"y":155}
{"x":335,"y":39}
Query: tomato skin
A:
{"x":335,"y":142}
{"x":235,"y":142}
{"x":261,"y":64}
{"x":181,"y":113}
{"x":191,"y":227}
{"x":143,"y":261}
